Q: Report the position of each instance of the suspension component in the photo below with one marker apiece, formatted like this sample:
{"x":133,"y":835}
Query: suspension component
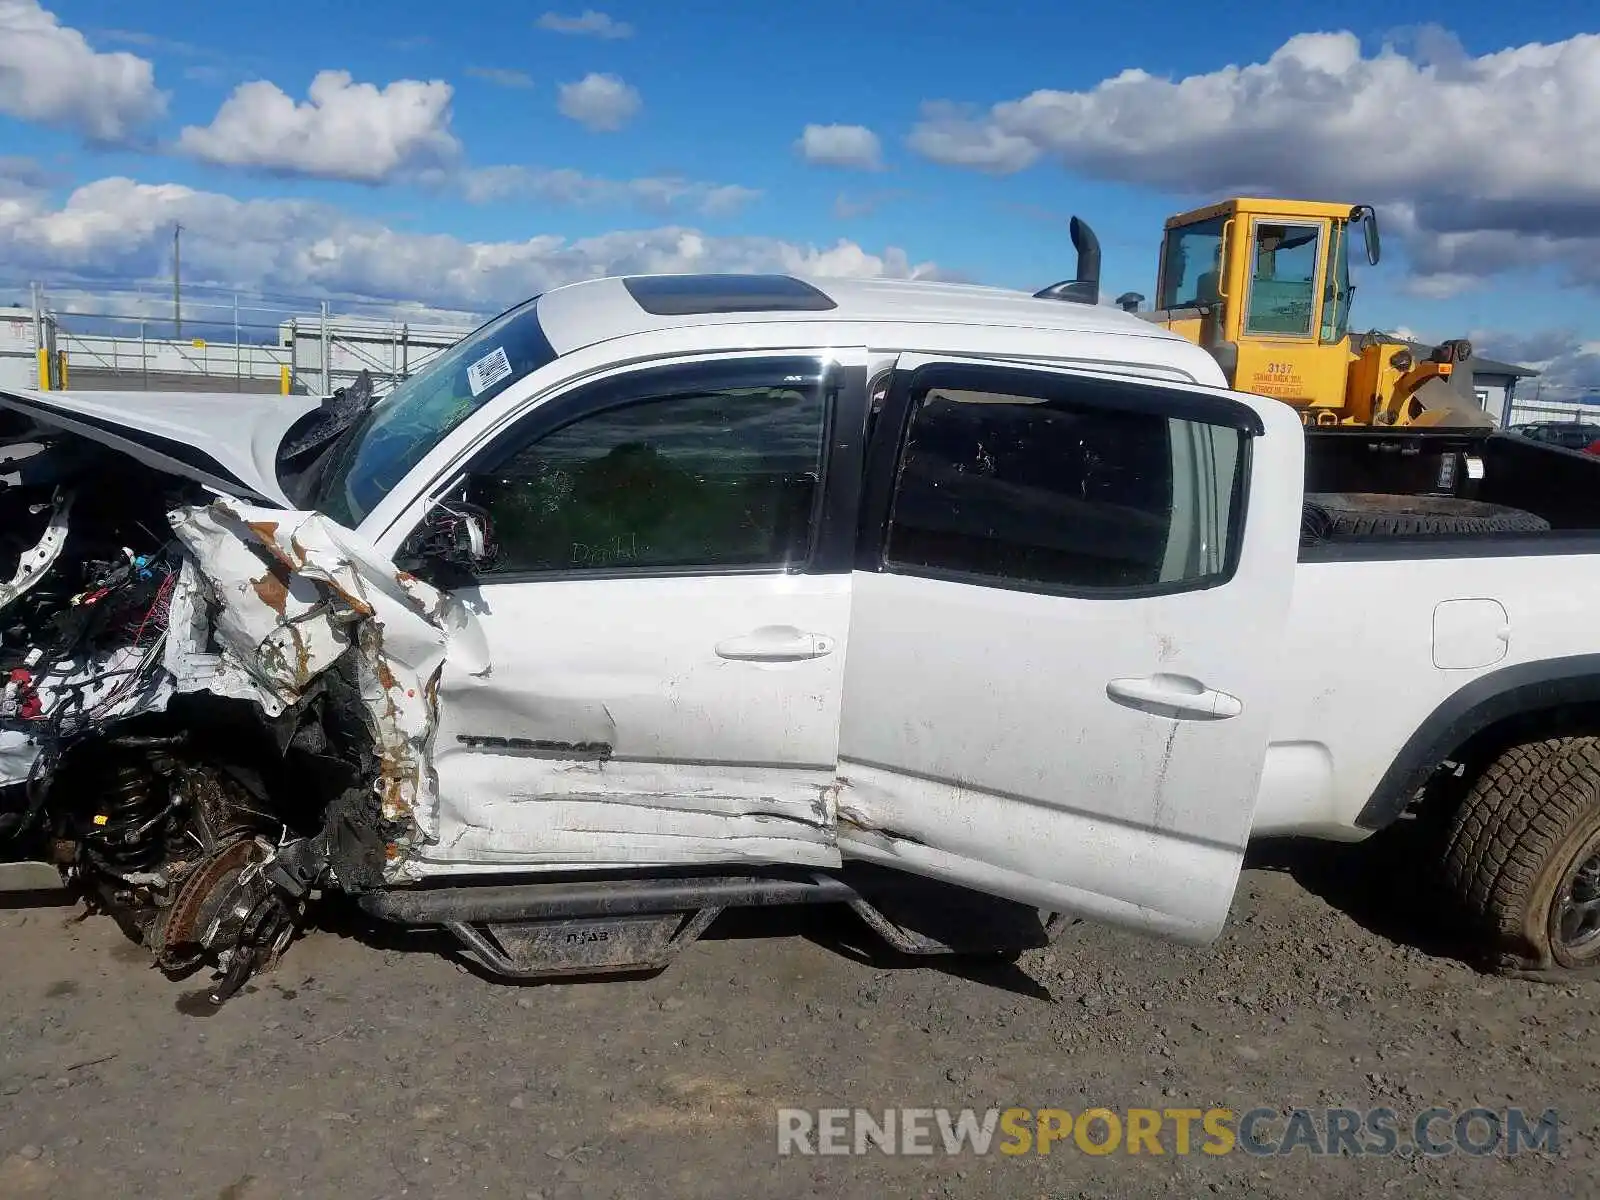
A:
{"x":129,"y":825}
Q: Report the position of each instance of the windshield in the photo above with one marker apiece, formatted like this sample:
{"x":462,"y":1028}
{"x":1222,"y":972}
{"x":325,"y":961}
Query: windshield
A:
{"x":396,"y":433}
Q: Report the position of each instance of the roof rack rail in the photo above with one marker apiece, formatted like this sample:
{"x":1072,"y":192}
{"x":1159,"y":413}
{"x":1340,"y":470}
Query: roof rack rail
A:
{"x":1084,"y":287}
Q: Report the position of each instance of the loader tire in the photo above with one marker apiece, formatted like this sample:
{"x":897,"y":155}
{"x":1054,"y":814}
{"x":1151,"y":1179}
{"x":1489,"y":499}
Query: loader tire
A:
{"x":1522,"y":859}
{"x":1370,"y":514}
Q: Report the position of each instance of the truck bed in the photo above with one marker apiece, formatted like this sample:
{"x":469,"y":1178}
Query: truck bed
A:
{"x":1384,"y":630}
{"x":1561,"y":486}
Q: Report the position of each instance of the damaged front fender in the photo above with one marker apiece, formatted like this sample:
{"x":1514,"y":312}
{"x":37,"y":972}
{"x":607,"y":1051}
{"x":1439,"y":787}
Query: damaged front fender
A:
{"x":261,"y":605}
{"x":275,"y":599}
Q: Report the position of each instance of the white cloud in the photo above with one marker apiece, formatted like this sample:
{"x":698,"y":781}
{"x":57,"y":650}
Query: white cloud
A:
{"x":600,"y":103}
{"x":21,"y":175}
{"x":50,"y":74}
{"x":1568,"y":365}
{"x":841,"y":146}
{"x":587,"y":23}
{"x":661,"y":194}
{"x":344,"y":130}
{"x":116,"y":230}
{"x":151,"y":41}
{"x":503,"y":76}
{"x":1484,"y":161}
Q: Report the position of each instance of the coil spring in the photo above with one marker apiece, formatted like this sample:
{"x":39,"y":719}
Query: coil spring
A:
{"x":124,"y":836}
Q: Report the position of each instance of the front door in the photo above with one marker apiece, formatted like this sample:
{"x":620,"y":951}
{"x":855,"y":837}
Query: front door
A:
{"x":1065,"y":630}
{"x":1289,"y":346}
{"x":665,"y":625}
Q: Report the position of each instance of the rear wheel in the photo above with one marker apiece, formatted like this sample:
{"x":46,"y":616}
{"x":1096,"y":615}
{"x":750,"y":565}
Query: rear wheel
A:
{"x":1522,"y":857}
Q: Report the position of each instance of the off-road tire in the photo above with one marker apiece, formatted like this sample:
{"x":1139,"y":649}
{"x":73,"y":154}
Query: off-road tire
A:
{"x":1373,"y":514}
{"x":1512,"y":848}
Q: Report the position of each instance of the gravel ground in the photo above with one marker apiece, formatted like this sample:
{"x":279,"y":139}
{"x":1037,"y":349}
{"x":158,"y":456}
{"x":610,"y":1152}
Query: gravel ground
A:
{"x":367,"y":1068}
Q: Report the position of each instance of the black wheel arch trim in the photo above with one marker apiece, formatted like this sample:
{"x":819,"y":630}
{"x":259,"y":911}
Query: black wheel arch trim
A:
{"x":1484,"y":702}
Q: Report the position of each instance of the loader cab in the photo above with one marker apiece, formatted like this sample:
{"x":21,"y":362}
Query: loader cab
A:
{"x":1265,"y":286}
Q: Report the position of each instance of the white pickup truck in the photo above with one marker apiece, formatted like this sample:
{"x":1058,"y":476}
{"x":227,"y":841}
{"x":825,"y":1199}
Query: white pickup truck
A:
{"x":660,"y":595}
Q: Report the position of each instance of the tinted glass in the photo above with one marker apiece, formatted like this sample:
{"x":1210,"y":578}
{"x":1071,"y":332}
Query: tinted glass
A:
{"x":1337,"y":293}
{"x":684,"y":295}
{"x":714,"y":479}
{"x":1282,"y":278}
{"x":1191,"y":265}
{"x":398,"y":431}
{"x":1031,"y":492}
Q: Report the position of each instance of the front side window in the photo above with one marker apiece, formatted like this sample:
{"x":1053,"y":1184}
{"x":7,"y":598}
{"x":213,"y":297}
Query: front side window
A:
{"x":1283,"y":273}
{"x":1191,"y":271}
{"x":702,"y":480}
{"x":1046,"y":494}
{"x":395,"y":434}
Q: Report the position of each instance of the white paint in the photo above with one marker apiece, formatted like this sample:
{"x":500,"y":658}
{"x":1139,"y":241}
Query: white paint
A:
{"x":746,"y":746}
{"x":241,"y":432}
{"x":597,"y":311}
{"x":990,"y":755}
{"x":1297,"y":794}
{"x":1469,"y":634}
{"x":296,"y":592}
{"x":1038,"y":851}
{"x":1357,"y":661}
{"x":33,"y":564}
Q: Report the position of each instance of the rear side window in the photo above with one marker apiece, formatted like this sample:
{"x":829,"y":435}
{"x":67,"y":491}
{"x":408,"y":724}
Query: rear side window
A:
{"x":1046,"y":494}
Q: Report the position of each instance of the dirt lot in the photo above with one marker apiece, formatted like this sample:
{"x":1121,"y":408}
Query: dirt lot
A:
{"x":357,"y":1070}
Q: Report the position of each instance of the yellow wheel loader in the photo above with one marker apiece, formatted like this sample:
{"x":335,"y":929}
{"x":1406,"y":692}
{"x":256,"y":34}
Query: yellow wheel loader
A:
{"x":1398,"y":443}
{"x":1265,"y":286}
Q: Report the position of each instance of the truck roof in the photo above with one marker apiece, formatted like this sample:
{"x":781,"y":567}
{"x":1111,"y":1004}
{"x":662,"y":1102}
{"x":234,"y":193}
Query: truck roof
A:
{"x":583,"y":314}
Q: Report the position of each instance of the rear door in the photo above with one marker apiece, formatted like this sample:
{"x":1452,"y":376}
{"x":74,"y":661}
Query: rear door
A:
{"x":1065,"y":631}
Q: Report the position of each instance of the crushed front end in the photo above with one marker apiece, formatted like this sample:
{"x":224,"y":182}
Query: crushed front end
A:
{"x":211,"y":710}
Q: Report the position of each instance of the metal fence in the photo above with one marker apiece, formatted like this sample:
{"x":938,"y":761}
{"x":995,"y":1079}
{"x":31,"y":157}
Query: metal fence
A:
{"x":1525,"y":411}
{"x":212,"y":340}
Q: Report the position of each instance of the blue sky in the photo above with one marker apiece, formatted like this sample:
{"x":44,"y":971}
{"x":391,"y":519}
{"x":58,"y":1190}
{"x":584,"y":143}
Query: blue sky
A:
{"x":687,"y":117}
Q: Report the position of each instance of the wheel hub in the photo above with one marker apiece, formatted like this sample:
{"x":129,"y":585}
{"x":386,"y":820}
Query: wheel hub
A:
{"x":1575,"y":918}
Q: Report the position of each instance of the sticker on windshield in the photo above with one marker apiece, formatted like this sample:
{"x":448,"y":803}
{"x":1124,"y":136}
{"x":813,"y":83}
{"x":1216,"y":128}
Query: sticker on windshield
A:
{"x":488,"y":370}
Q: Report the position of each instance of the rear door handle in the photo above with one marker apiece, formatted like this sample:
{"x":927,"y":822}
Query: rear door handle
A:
{"x":775,"y":643}
{"x":1176,"y":696}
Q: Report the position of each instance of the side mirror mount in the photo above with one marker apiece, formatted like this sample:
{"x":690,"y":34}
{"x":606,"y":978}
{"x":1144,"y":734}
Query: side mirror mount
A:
{"x":452,"y":543}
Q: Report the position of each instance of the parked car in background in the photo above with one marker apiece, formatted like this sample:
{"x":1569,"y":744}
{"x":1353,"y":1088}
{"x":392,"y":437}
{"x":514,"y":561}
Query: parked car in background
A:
{"x":1572,"y":435}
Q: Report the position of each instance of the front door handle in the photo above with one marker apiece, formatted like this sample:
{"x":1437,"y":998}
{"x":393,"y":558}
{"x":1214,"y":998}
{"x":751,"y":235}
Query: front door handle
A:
{"x":1176,"y":696}
{"x":775,"y":643}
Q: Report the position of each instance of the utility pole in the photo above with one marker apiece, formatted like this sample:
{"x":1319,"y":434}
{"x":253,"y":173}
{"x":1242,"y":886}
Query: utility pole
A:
{"x":177,"y":308}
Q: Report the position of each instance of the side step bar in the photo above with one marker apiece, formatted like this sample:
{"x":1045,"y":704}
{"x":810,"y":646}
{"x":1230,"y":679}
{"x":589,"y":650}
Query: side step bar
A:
{"x":598,"y":898}
{"x":590,"y":927}
{"x":603,"y":926}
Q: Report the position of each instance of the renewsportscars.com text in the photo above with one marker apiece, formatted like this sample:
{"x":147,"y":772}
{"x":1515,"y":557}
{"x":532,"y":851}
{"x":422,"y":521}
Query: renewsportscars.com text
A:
{"x":1380,"y":1132}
